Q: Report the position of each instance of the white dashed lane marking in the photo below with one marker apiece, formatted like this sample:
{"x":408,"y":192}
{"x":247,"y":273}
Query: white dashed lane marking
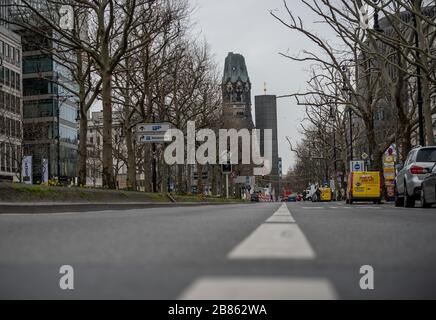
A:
{"x":281,"y":239}
{"x":278,"y":238}
{"x":259,"y":288}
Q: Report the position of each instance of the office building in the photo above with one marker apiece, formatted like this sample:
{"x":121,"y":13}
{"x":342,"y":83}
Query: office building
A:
{"x":266,"y":118}
{"x":10,"y":105}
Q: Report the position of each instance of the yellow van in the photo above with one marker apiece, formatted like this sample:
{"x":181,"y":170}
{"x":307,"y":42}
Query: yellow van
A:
{"x":326,"y":194}
{"x":364,"y":186}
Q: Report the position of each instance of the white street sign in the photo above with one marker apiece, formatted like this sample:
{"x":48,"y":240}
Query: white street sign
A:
{"x":364,"y":156}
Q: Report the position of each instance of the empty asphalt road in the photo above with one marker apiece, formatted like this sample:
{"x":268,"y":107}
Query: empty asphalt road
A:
{"x":253,"y":251}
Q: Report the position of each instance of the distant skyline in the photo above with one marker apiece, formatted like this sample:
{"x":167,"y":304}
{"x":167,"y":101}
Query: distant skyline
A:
{"x":247,"y":27}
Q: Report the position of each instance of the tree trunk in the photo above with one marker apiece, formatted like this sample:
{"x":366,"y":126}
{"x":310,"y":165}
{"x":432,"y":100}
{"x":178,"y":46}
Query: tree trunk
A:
{"x":131,"y":160}
{"x":374,"y":148}
{"x":147,"y":168}
{"x":428,"y":121}
{"x":188,"y":175}
{"x":164,"y":170}
{"x":200,"y":186}
{"x":180,"y":179}
{"x":83,"y":146}
{"x":214,"y":180}
{"x":108,"y":173}
{"x":406,"y":144}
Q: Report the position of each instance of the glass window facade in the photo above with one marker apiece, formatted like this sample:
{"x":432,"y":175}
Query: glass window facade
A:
{"x":36,"y":87}
{"x":36,"y":64}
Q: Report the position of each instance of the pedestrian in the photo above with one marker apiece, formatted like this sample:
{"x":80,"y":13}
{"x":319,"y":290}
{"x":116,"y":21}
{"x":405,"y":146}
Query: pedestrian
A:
{"x":318,"y":194}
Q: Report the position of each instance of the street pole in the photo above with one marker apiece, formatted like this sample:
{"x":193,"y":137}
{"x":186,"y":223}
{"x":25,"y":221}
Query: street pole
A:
{"x":419,"y":85}
{"x":335,"y":165}
{"x":59,"y":130}
{"x":227,"y":186}
{"x":350,"y":112}
{"x":59,"y":143}
{"x":153,"y":165}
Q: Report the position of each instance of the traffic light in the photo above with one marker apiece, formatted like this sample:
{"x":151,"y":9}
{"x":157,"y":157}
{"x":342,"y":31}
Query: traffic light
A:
{"x":227,"y":168}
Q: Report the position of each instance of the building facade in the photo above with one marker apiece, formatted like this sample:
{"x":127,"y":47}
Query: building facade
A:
{"x":94,"y":165}
{"x":266,"y":118}
{"x":236,"y":90}
{"x":236,"y":108}
{"x":50,"y":111}
{"x":10,"y":105}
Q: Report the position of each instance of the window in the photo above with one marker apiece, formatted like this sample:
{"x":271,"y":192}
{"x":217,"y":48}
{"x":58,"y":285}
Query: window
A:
{"x":2,"y":125}
{"x":2,"y":100}
{"x":426,"y":155}
{"x":18,"y":106}
{"x":68,"y":113}
{"x":68,"y":134}
{"x":8,"y":157}
{"x":34,"y":87}
{"x":8,"y":101}
{"x":7,"y":77}
{"x":35,"y":64}
{"x":12,"y":79}
{"x":39,"y":108}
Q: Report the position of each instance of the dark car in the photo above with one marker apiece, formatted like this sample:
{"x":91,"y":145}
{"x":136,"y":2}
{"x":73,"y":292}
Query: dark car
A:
{"x":255,"y":197}
{"x":293,"y":197}
{"x":428,"y":194}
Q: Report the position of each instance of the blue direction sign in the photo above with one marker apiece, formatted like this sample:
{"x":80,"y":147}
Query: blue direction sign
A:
{"x":153,"y":133}
{"x":357,"y":166}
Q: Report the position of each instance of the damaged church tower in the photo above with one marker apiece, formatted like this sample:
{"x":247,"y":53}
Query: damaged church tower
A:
{"x":236,"y":89}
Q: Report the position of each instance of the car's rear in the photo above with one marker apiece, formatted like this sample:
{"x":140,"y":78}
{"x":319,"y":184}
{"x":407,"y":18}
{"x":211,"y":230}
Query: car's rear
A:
{"x":292,"y":198}
{"x":364,"y":186}
{"x":419,"y":170}
{"x":326,"y":194}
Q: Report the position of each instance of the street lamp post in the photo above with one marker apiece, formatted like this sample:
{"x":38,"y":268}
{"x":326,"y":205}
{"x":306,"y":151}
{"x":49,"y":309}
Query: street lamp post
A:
{"x":333,"y":118}
{"x":154,"y":163}
{"x":350,"y":110}
{"x":420,"y":99}
{"x":376,"y":17}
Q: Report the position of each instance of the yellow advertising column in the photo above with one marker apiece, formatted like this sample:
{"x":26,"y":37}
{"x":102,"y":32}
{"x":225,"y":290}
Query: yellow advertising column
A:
{"x":389,"y":174}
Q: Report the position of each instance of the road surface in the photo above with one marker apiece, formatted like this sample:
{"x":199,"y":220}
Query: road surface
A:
{"x":253,"y":251}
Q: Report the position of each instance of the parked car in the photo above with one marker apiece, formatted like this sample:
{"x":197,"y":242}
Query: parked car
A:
{"x":408,"y":183}
{"x":428,"y":194}
{"x":293,"y":197}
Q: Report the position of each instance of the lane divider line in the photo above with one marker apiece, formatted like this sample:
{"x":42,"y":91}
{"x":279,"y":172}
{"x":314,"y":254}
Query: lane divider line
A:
{"x":275,"y":240}
{"x":259,"y":288}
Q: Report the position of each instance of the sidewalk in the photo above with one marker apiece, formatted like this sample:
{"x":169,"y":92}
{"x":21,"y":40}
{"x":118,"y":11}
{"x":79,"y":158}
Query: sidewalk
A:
{"x":58,"y":207}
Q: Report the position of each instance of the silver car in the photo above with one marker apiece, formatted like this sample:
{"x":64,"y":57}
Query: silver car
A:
{"x":408,"y":183}
{"x":428,"y":196}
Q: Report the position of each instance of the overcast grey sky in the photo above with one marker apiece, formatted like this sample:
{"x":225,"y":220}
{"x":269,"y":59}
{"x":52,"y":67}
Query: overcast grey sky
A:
{"x":246,"y":27}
